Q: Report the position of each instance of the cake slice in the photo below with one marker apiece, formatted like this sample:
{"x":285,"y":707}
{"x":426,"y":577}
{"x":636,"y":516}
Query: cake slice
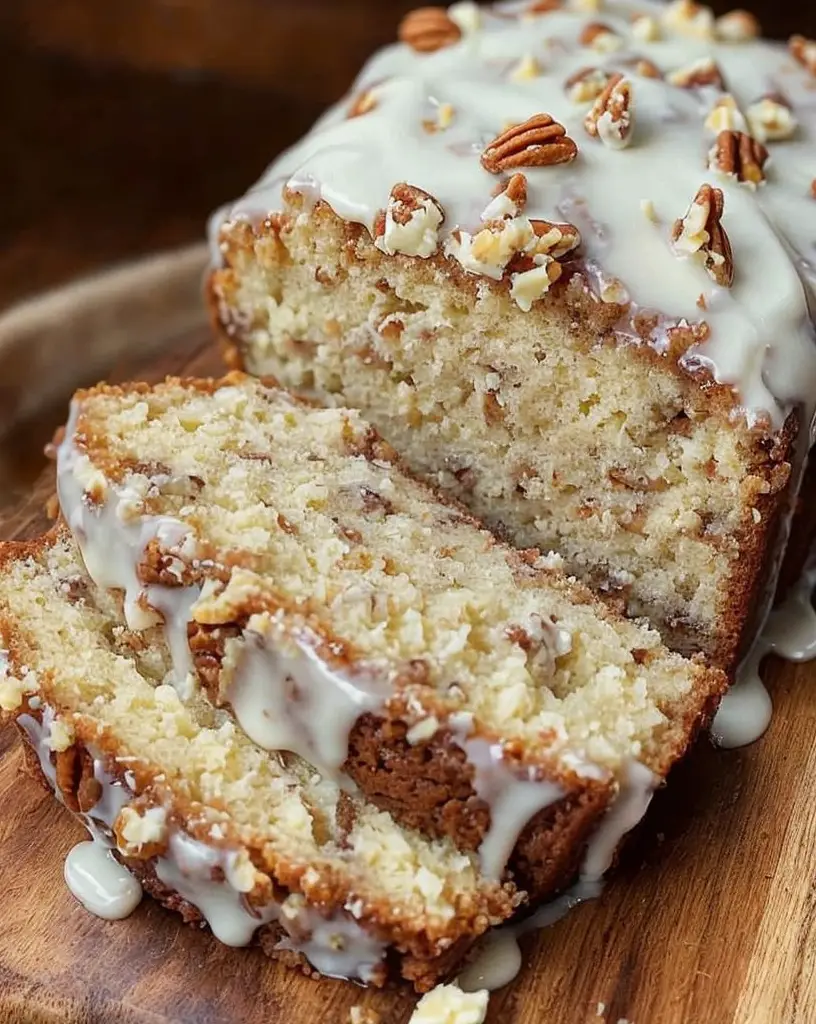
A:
{"x":339,"y":609}
{"x":255,"y":844}
{"x":562,"y":258}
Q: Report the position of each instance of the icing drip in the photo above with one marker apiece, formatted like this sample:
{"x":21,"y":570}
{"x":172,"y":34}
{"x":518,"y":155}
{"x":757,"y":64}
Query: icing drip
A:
{"x":100,"y":883}
{"x":285,"y":697}
{"x":205,"y":876}
{"x":212,"y":879}
{"x":789,"y":632}
{"x":499,"y":957}
{"x":513,"y":801}
{"x":761,"y":340}
{"x":113,"y":543}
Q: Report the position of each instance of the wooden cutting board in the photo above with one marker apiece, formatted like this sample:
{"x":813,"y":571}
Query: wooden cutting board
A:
{"x":710,"y":919}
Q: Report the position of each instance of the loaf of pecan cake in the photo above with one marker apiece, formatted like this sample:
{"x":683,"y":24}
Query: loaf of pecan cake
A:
{"x":337,"y":608}
{"x":256,"y":845}
{"x":560,"y":253}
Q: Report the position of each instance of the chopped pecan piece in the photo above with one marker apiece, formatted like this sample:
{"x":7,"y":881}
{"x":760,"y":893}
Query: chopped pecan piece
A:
{"x":771,"y":119}
{"x":537,"y":142}
{"x":738,"y":154}
{"x":427,"y":29}
{"x":587,"y":84}
{"x":544,"y":6}
{"x":363,"y":103}
{"x":803,"y":50}
{"x":644,"y":67}
{"x":704,"y":71}
{"x":610,"y":118}
{"x":600,"y":37}
{"x":410,"y":224}
{"x":701,"y":231}
{"x":725,"y":115}
{"x":737,"y":27}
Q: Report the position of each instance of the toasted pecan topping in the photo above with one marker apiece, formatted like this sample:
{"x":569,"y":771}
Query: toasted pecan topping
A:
{"x":701,"y":232}
{"x":600,"y":37}
{"x":704,"y":71}
{"x":725,"y":115}
{"x":610,"y":118}
{"x":803,"y":50}
{"x":445,"y":113}
{"x":738,"y":154}
{"x":543,"y":6}
{"x":515,"y":190}
{"x":771,"y":119}
{"x":813,"y":188}
{"x":427,"y":29}
{"x":645,"y":28}
{"x":737,"y":27}
{"x":644,"y":67}
{"x":587,"y":84}
{"x":538,"y":142}
{"x":363,"y":103}
{"x":555,"y":240}
{"x":410,"y":224}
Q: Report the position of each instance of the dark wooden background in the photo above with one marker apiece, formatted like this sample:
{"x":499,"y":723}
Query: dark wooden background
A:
{"x":123,"y":123}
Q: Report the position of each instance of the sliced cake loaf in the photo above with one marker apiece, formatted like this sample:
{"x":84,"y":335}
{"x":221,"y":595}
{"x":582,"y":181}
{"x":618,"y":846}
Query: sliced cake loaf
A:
{"x":341,"y":610}
{"x":544,"y":249}
{"x":214,"y":827}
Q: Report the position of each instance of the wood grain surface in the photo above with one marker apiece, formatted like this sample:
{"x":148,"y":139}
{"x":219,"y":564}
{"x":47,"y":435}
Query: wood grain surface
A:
{"x":709,"y":919}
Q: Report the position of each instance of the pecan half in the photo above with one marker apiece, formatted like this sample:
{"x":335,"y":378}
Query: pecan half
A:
{"x":427,"y":29}
{"x":701,"y":231}
{"x":610,"y":118}
{"x":700,"y":72}
{"x":803,"y":50}
{"x":738,"y":154}
{"x":537,"y":142}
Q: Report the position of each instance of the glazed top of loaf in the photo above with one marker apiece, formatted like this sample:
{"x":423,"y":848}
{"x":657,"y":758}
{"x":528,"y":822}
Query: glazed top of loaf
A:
{"x":701,"y":102}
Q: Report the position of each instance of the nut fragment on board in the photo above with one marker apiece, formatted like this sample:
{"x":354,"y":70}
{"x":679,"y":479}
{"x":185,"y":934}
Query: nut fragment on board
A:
{"x":737,"y":154}
{"x":428,"y":29}
{"x":448,"y":1004}
{"x":539,"y":141}
{"x":700,"y":234}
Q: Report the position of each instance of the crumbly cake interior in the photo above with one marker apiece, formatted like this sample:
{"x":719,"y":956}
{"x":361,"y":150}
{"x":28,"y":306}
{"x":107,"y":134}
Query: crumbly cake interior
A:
{"x":107,"y":685}
{"x":308,"y":507}
{"x":540,"y":423}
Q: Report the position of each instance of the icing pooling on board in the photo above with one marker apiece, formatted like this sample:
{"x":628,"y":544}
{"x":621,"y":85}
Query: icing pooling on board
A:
{"x":790,"y":633}
{"x":761,"y":341}
{"x":101,"y":884}
{"x":499,"y":958}
{"x":208,"y":877}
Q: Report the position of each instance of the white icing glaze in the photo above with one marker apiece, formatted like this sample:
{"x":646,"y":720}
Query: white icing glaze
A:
{"x":512,"y":801}
{"x":101,"y":884}
{"x":285,"y":697}
{"x":789,"y":632}
{"x":113,"y":543}
{"x":213,"y":879}
{"x":499,"y":953}
{"x":761,"y":338}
